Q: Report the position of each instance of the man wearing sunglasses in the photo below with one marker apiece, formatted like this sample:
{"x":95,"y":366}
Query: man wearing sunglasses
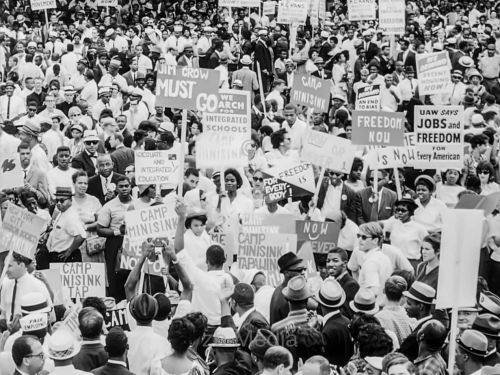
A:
{"x":335,"y":196}
{"x":87,"y":159}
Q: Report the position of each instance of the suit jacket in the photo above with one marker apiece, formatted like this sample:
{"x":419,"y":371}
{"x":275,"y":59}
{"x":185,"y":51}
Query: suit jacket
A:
{"x":328,"y":74}
{"x":339,"y":346}
{"x":263,"y":56}
{"x":90,"y":356}
{"x":38,"y":179}
{"x":409,"y":347}
{"x":348,"y":205}
{"x":372,"y":51}
{"x":364,"y":206}
{"x":351,"y":287}
{"x":111,"y":369}
{"x":128,"y":77}
{"x":325,"y":50}
{"x":410,"y":60}
{"x":214,"y":61}
{"x":95,"y":187}
{"x":122,"y":158}
{"x":183,"y":61}
{"x":84,"y":162}
{"x":279,"y":306}
{"x":249,"y":327}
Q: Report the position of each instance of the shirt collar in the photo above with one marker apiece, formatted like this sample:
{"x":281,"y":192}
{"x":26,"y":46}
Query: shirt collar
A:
{"x":21,"y":372}
{"x":112,"y":361}
{"x":106,"y":178}
{"x":246,"y":314}
{"x":330,"y":315}
{"x":342,"y":275}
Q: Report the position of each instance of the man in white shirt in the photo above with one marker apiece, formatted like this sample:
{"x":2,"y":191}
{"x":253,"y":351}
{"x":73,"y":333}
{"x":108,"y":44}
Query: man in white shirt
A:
{"x":11,"y":106}
{"x":390,"y":97}
{"x":408,"y":85}
{"x":454,"y":92}
{"x":144,"y":63}
{"x":276,"y":94}
{"x":17,"y":283}
{"x":295,"y":127}
{"x":61,"y":175}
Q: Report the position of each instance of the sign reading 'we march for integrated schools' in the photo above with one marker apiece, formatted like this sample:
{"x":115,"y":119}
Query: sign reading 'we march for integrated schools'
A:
{"x":185,"y":88}
{"x":439,"y":138}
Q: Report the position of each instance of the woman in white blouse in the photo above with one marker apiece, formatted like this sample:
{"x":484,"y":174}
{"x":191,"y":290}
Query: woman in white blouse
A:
{"x":430,"y":210}
{"x":448,"y":190}
{"x":486,"y":174}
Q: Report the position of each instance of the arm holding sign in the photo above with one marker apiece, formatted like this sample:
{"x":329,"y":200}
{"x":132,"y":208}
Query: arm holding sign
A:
{"x":180,"y":209}
{"x":170,"y":255}
{"x":133,"y":278}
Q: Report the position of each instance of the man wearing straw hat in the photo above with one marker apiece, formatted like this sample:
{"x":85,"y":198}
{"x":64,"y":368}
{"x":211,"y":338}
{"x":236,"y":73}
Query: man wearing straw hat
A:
{"x":62,"y":347}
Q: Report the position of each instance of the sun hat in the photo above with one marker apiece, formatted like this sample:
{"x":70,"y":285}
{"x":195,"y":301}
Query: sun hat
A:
{"x":62,"y":345}
{"x":473,"y":342}
{"x":224,"y":337}
{"x":63,"y":191}
{"x":364,"y":302}
{"x":421,"y":292}
{"x":331,"y":294}
{"x":90,"y":135}
{"x":297,"y":289}
{"x":34,"y":302}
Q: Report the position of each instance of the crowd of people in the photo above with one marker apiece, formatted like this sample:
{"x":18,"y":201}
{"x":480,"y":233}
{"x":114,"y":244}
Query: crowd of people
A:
{"x":78,"y":99}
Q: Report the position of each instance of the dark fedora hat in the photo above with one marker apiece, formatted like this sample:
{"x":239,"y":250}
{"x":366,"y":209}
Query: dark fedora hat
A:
{"x":143,"y":308}
{"x":288,"y":260}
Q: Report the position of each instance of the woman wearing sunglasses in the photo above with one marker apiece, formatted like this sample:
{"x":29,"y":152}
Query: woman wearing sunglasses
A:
{"x":404,"y":232}
{"x":486,"y":174}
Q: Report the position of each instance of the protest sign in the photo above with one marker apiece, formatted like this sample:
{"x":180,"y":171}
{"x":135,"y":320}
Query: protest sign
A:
{"x":33,"y":322}
{"x":53,"y":277}
{"x":226,"y":133}
{"x":107,"y":3}
{"x":11,"y":172}
{"x":396,"y":157}
{"x":20,"y":231}
{"x":276,"y":190}
{"x":279,"y":223}
{"x":305,"y":252}
{"x":117,"y":317}
{"x":391,"y":15}
{"x":372,"y":128}
{"x":84,"y":279}
{"x":433,"y":72}
{"x":459,"y":258}
{"x":329,"y":151}
{"x":292,"y":11}
{"x":262,"y":251}
{"x":71,"y":321}
{"x":43,"y":4}
{"x":269,"y":8}
{"x":311,"y":91}
{"x":239,"y":3}
{"x":368,"y":98}
{"x":323,"y":236}
{"x":185,"y":87}
{"x":487,"y":203}
{"x":154,"y":223}
{"x":300,"y":176}
{"x":156,"y":167}
{"x":360,"y":10}
{"x":439,"y":136}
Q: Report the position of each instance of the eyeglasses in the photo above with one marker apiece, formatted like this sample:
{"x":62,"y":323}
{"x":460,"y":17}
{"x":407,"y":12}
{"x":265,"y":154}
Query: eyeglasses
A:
{"x":483,"y":172}
{"x":203,"y":199}
{"x":91,"y":142}
{"x":39,"y":355}
{"x":298,"y":270}
{"x":363,"y":237}
{"x":258,"y":179}
{"x":61,"y":200}
{"x":402,"y":210}
{"x":332,"y":173}
{"x":127,"y":172}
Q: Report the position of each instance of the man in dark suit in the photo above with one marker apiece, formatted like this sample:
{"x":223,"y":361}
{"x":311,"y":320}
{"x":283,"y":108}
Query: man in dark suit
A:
{"x":92,"y":353}
{"x":123,"y":156}
{"x":103,"y":185}
{"x":87,"y":159}
{"x":373,"y":206}
{"x":263,"y":56}
{"x":406,"y":55}
{"x":336,"y":265}
{"x":35,"y":179}
{"x":326,"y":46}
{"x":117,"y":347}
{"x":215,"y":56}
{"x":131,"y":75}
{"x":248,"y":319}
{"x":335,"y":196}
{"x":321,"y":72}
{"x":419,"y":300}
{"x":290,"y":266}
{"x":28,"y":355}
{"x":339,"y":346}
{"x":370,"y":48}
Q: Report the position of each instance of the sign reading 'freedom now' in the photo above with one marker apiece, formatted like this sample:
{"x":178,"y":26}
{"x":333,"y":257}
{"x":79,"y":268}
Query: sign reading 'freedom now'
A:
{"x":186,"y":88}
{"x":311,"y":91}
{"x":378,"y":128}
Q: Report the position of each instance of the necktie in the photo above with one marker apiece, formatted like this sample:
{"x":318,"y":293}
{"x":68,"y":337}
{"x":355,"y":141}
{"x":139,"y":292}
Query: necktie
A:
{"x":8,"y":108}
{"x":12,"y":306}
{"x":411,"y":86}
{"x":374,"y":211}
{"x":454,"y":87}
{"x":107,"y":184}
{"x":25,"y":172}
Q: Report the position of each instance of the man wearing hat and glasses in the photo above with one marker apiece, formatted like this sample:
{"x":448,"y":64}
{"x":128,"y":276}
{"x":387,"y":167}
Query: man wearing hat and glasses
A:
{"x":87,"y":159}
{"x":68,"y":233}
{"x":339,"y":347}
{"x":472,"y":349}
{"x":290,"y":266}
{"x":30,"y":133}
{"x":454,"y":92}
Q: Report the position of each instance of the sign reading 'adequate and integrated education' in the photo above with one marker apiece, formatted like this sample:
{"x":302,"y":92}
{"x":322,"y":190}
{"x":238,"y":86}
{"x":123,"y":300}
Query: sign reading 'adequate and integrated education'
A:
{"x":378,"y":128}
{"x":433,"y":72}
{"x":185,"y":87}
{"x":368,"y":98}
{"x":439,"y":132}
{"x":360,"y":10}
{"x":156,"y":167}
{"x":328,"y":151}
{"x":311,"y":91}
{"x":226,"y":131}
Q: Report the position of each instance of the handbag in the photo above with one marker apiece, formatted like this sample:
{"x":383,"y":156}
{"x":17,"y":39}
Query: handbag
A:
{"x":95,"y":244}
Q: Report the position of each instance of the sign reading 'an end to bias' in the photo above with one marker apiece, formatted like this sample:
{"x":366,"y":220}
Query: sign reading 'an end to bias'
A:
{"x":186,"y":88}
{"x":371,"y":128}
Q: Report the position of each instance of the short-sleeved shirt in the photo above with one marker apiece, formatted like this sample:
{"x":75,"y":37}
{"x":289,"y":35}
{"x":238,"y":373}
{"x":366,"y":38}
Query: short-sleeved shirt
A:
{"x":66,"y":227}
{"x":112,"y":214}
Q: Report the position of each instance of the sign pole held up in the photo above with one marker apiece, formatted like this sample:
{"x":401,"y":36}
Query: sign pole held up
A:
{"x":398,"y":183}
{"x":181,"y":153}
{"x":320,"y":181}
{"x":261,"y":89}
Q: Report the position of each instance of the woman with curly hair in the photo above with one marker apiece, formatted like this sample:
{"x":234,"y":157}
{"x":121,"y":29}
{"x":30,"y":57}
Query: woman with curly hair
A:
{"x":181,"y":334}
